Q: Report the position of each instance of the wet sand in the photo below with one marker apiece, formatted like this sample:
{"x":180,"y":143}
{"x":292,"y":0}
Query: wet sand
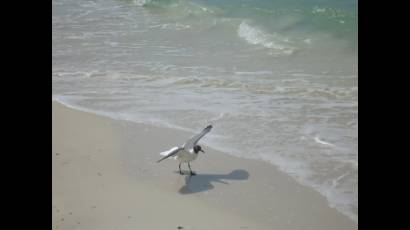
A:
{"x":105,"y":176}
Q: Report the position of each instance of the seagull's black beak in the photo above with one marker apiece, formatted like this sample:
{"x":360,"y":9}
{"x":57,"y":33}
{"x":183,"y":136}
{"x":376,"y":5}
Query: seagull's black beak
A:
{"x":202,"y":151}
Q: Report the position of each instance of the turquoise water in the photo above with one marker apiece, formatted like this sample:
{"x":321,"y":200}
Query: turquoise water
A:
{"x":277,"y":79}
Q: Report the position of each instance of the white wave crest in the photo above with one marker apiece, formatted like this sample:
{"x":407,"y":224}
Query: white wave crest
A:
{"x":256,"y":36}
{"x":141,"y":2}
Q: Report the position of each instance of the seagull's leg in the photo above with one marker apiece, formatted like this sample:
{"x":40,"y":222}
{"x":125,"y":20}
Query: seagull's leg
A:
{"x":180,"y":172}
{"x":190,"y":170}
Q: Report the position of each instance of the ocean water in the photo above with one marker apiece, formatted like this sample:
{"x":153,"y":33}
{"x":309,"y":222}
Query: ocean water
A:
{"x":276,"y":78}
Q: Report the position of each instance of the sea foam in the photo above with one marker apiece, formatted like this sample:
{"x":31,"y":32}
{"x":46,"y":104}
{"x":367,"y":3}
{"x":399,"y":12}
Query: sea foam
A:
{"x":256,"y":36}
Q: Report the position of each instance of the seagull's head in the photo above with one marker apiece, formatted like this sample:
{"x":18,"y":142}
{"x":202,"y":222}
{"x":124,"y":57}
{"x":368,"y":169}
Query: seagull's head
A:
{"x":198,"y":148}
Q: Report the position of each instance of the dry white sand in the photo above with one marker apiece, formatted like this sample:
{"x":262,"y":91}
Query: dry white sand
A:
{"x":105,"y":177}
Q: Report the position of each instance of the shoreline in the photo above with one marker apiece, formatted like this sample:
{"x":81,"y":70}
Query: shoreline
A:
{"x":102,"y":162}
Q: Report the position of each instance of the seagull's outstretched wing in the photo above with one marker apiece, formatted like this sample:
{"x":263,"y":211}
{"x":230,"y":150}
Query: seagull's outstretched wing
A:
{"x":189,"y":144}
{"x":169,"y":153}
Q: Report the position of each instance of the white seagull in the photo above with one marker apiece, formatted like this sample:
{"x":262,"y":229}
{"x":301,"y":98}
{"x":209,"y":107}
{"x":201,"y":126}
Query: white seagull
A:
{"x":188,"y":152}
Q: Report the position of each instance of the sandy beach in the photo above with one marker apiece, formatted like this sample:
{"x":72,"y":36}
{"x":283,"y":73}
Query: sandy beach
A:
{"x":105,"y":176}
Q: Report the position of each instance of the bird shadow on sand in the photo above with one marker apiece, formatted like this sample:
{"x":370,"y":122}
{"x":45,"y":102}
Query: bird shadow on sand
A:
{"x":203,"y":182}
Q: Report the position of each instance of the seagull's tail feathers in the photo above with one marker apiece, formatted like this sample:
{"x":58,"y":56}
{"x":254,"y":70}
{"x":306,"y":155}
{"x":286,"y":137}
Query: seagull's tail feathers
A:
{"x":169,"y":153}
